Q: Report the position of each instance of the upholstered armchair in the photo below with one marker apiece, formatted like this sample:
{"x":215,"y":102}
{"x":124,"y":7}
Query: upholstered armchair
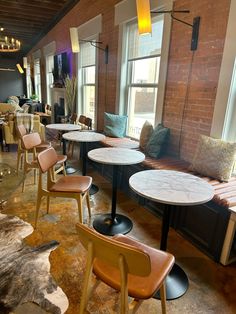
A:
{"x":10,"y":133}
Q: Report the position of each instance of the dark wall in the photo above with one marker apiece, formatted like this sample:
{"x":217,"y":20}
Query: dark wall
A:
{"x":11,"y":82}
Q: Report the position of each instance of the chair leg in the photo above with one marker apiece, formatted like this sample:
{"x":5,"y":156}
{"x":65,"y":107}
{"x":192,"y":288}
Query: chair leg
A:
{"x":80,"y":208}
{"x":19,"y":161}
{"x":64,"y":169}
{"x":163,"y":298}
{"x":35,"y":175}
{"x":88,"y":203}
{"x":87,"y":277}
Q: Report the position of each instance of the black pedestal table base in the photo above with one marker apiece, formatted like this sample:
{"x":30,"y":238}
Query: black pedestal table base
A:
{"x":105,"y":225}
{"x":176,"y":284}
{"x":93,"y":190}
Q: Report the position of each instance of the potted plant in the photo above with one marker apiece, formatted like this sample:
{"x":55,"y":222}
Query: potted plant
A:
{"x":70,"y":93}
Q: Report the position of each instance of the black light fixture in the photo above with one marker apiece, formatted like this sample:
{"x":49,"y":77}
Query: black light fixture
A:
{"x":195,"y":26}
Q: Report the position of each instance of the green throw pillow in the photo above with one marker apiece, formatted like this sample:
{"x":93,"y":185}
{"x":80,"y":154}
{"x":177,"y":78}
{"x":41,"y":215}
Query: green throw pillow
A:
{"x":159,"y":136}
{"x":114,"y":125}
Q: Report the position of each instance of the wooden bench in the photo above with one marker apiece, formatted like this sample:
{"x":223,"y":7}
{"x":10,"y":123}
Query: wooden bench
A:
{"x":222,"y":209}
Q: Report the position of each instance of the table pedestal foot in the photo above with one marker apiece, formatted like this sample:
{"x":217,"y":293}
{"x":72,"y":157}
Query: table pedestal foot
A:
{"x":70,"y":170}
{"x":93,"y":190}
{"x":105,"y":225}
{"x":176,"y":284}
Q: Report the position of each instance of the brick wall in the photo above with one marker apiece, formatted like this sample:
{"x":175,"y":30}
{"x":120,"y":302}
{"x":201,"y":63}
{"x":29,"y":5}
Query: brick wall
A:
{"x":192,"y":77}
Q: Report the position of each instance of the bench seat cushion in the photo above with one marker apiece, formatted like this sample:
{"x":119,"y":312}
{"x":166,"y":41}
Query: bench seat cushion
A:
{"x":225,"y":192}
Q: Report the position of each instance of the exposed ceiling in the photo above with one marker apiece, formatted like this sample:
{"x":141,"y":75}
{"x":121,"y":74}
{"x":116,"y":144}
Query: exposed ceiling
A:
{"x":29,"y":20}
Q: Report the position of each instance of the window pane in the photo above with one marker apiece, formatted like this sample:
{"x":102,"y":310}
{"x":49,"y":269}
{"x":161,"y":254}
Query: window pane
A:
{"x":145,"y":45}
{"x":88,"y":54}
{"x":142,"y":107}
{"x":89,"y":75}
{"x":89,"y":101}
{"x":145,"y":71}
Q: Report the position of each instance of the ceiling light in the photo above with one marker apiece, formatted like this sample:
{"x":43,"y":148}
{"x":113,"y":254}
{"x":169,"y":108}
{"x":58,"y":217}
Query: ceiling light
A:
{"x":8,"y":44}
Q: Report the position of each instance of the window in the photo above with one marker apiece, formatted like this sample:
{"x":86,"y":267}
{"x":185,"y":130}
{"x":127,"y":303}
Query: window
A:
{"x":140,"y":75}
{"x":37,"y":78}
{"x":28,"y":81}
{"x":87,"y":80}
{"x":49,"y":76}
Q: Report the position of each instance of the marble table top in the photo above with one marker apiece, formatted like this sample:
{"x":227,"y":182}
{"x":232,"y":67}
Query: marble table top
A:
{"x":116,"y":156}
{"x":78,"y":136}
{"x":171,"y":187}
{"x":63,"y":127}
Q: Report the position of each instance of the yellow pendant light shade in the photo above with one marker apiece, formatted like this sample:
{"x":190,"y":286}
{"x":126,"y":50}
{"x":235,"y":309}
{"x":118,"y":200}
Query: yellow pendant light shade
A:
{"x":19,"y":68}
{"x":74,"y":40}
{"x":144,"y":17}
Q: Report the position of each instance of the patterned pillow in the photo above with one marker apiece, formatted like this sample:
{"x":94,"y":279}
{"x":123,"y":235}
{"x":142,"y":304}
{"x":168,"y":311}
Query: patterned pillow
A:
{"x":214,"y":158}
{"x":145,"y":135}
{"x":114,"y":125}
{"x":157,"y":140}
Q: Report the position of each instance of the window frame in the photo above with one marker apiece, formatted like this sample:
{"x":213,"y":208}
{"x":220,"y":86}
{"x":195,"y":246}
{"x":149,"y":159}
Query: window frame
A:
{"x":123,"y":88}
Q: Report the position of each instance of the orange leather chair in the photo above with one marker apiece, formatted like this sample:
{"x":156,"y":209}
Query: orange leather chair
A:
{"x":76,"y":187}
{"x":133,"y":268}
{"x":30,"y":142}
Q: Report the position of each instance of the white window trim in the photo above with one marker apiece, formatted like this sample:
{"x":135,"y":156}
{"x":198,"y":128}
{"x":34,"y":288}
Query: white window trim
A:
{"x":129,"y":6}
{"x":88,"y":31}
{"x":221,"y":108}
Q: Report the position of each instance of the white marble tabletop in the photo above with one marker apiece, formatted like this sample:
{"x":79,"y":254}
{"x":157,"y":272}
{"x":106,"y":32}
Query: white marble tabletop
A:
{"x":63,"y":127}
{"x":78,"y":136}
{"x":127,"y":143}
{"x":116,"y":156}
{"x":171,"y":187}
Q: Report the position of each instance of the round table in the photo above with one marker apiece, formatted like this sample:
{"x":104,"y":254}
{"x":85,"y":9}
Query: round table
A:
{"x":84,"y":137}
{"x":171,"y":188}
{"x":65,"y":127}
{"x":111,"y":224}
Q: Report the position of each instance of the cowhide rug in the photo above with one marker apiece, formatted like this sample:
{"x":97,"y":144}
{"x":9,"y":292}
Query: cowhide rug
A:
{"x":25,"y":271}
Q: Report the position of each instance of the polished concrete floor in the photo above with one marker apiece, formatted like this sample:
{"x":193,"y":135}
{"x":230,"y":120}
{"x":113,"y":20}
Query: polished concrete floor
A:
{"x":212,"y":287}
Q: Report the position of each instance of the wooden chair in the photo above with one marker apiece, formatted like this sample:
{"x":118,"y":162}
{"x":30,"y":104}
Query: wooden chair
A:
{"x":82,"y":119}
{"x":76,"y":187}
{"x":135,"y":269}
{"x":21,"y":131}
{"x":30,"y":142}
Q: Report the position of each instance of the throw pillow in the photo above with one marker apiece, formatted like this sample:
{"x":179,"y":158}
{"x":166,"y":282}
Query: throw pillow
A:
{"x":114,"y":125}
{"x":214,"y":158}
{"x":145,"y":135}
{"x":157,"y":140}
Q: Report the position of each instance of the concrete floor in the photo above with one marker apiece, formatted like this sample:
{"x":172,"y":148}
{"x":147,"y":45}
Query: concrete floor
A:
{"x":212,"y":287}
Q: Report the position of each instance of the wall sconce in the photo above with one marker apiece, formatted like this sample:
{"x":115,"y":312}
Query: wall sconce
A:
{"x":195,"y":26}
{"x":75,"y":43}
{"x":25,"y":62}
{"x":19,"y":68}
{"x":74,"y":40}
{"x":144,"y":17}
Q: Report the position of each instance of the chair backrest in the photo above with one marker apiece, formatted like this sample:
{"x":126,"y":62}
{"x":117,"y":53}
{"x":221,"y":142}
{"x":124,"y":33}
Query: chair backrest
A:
{"x":21,"y":130}
{"x":47,"y":158}
{"x":31,"y":140}
{"x":88,"y":123}
{"x":110,"y":251}
{"x":82,"y":119}
{"x":73,"y":118}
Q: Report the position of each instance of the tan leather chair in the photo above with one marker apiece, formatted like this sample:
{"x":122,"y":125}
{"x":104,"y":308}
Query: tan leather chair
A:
{"x":29,"y":144}
{"x":76,"y":187}
{"x":135,"y":269}
{"x":21,"y":130}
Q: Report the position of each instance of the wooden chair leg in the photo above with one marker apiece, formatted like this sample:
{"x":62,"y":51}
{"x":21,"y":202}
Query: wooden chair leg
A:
{"x":87,"y":277}
{"x":48,"y":204}
{"x":64,"y":169}
{"x":80,"y":207}
{"x":163,"y":298}
{"x":88,"y":203}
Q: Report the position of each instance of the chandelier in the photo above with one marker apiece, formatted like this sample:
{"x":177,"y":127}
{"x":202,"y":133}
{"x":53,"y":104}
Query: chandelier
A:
{"x":8,"y":44}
